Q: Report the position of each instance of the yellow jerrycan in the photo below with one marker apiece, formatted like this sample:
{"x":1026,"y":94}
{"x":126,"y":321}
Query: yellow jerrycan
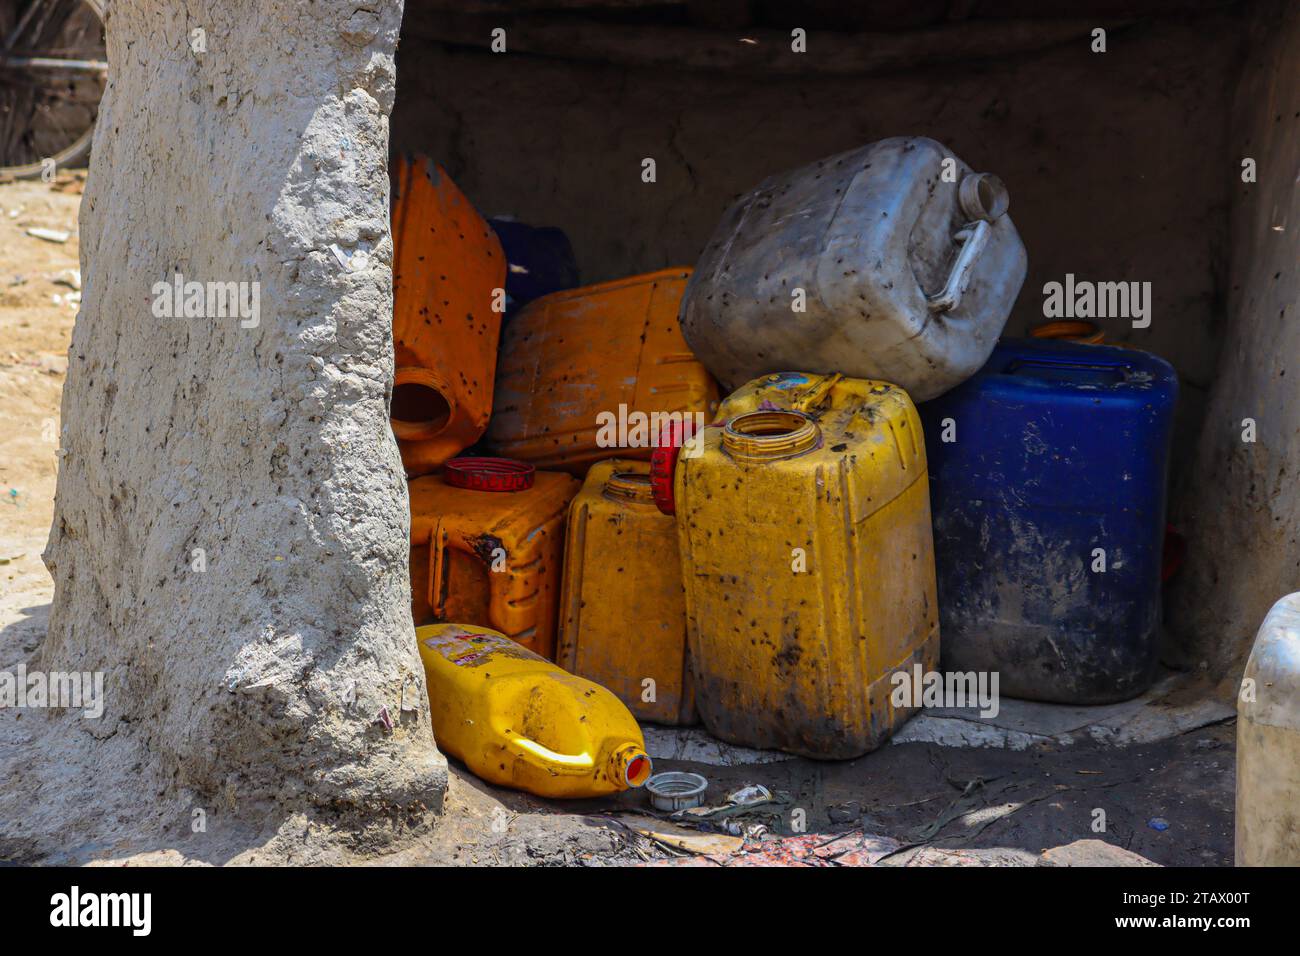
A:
{"x":517,"y":720}
{"x":808,"y":560}
{"x":622,"y":611}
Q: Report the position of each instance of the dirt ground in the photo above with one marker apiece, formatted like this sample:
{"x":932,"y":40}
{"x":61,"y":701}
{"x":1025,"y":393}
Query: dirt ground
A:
{"x":1016,"y":805}
{"x":39,"y":292}
{"x":1171,"y":801}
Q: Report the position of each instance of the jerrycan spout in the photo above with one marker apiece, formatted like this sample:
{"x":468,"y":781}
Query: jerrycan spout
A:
{"x":423,"y":405}
{"x":630,"y":766}
{"x":770,"y":434}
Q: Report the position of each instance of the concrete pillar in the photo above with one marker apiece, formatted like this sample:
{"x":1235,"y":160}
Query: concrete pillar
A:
{"x":230,"y":535}
{"x":1242,"y":509}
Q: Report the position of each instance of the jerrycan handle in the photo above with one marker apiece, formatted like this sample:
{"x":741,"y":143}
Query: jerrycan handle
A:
{"x":973,"y":239}
{"x":437,"y":568}
{"x":511,"y":608}
{"x":1051,"y":361}
{"x":629,"y":764}
{"x":816,"y":395}
{"x":1114,"y":371}
{"x":564,"y":763}
{"x":984,"y":200}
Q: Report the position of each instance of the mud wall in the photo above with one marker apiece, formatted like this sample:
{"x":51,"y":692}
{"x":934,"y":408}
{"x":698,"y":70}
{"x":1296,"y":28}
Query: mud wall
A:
{"x":230,"y":539}
{"x":1117,"y":162}
{"x":1243,"y":506}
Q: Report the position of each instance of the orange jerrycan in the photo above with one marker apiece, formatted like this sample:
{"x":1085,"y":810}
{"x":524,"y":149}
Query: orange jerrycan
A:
{"x":519,"y":721}
{"x":447,"y":268}
{"x":490,"y":557}
{"x":808,"y":562}
{"x":622,"y":612}
{"x":595,"y":372}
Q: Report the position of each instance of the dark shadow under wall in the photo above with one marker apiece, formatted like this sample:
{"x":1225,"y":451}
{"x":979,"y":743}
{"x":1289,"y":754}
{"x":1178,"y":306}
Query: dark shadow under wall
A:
{"x":1242,"y":506}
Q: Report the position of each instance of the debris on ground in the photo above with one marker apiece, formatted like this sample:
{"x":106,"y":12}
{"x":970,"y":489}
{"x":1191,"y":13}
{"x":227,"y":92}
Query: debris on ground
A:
{"x":49,"y":235}
{"x":851,"y":849}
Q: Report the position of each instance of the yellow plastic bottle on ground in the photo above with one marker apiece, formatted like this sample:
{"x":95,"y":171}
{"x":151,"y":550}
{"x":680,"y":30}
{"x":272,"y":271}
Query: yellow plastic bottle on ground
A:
{"x":622,"y":611}
{"x":519,"y":721}
{"x":808,"y":562}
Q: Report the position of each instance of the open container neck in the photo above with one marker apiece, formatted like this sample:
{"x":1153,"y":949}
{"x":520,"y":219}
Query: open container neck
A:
{"x":629,"y":486}
{"x":630,"y":766}
{"x":770,"y":435}
{"x":422,"y":404}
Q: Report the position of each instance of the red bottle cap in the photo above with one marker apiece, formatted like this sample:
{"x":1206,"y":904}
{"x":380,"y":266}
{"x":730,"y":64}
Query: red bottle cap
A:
{"x":663,"y":463}
{"x":489,"y":474}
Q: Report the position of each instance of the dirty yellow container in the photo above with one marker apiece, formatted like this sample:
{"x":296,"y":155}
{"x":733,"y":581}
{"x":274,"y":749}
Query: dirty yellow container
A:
{"x":587,"y":373}
{"x":622,"y":611}
{"x":808,"y":562}
{"x":519,"y":721}
{"x":449,"y":277}
{"x":490,"y":558}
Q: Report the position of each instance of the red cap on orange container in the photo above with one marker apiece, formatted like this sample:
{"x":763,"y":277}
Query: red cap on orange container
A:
{"x":489,"y":474}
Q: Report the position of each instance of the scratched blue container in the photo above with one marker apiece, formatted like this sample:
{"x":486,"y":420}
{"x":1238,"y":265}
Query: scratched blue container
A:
{"x":1046,"y":466}
{"x":539,"y":261}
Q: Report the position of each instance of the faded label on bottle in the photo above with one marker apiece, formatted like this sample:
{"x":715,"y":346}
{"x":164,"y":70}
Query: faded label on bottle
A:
{"x":469,"y":650}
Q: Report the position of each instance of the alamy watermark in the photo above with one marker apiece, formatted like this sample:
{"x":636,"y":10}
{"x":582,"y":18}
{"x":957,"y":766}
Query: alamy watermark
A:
{"x":182,"y":299}
{"x":133,"y":911}
{"x":75,"y":690}
{"x":1082,"y":299}
{"x":955,"y":689}
{"x":635,"y":429}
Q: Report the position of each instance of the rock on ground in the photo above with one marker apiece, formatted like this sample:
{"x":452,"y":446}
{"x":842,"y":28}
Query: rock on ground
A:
{"x":1091,"y":853}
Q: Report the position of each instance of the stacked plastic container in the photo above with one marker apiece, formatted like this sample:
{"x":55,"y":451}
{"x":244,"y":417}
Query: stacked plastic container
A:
{"x":447,"y":266}
{"x":804,"y":526}
{"x":573,"y":360}
{"x":623,"y":613}
{"x":486,"y":548}
{"x":487,"y":534}
{"x":1048,"y":471}
{"x":829,"y":298}
{"x":774,"y":572}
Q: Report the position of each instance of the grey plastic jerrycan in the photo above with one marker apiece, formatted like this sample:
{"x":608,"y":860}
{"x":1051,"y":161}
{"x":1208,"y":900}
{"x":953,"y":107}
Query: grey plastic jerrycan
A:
{"x":893,"y":262}
{"x":1268,"y":743}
